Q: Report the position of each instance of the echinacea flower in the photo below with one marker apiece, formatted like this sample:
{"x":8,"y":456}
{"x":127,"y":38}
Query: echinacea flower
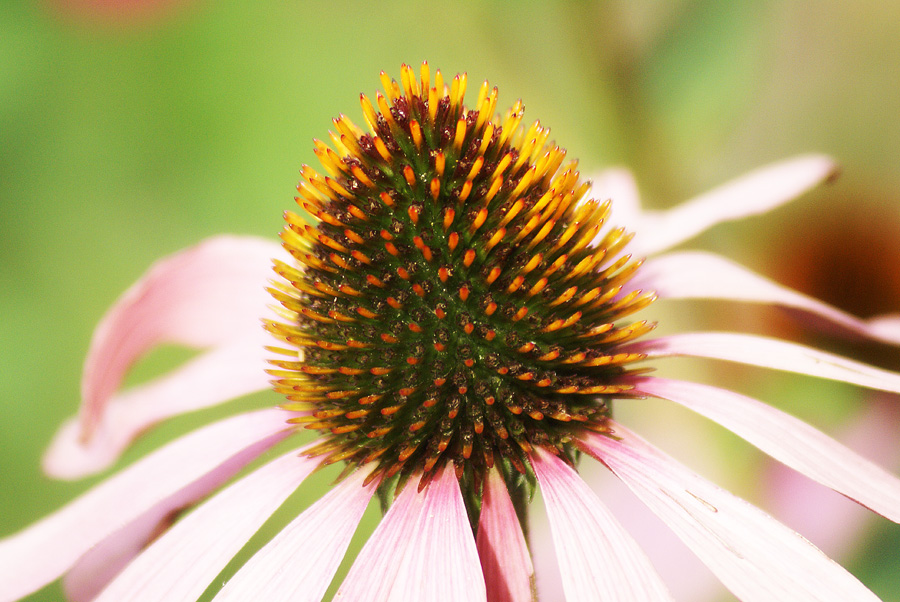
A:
{"x":452,"y":323}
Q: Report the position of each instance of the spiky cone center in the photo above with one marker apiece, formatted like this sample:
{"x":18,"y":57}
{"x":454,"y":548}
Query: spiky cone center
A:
{"x":454,"y":303}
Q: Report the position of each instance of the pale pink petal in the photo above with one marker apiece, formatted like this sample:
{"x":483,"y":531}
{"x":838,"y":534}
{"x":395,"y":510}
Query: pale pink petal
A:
{"x":163,"y":482}
{"x":422,"y":551}
{"x":757,"y":192}
{"x":755,"y":556}
{"x":788,"y":440}
{"x":375,"y":570}
{"x":318,"y":538}
{"x":683,"y":573}
{"x":104,"y":561}
{"x":598,"y":559}
{"x":218,"y":375}
{"x":208,"y":295}
{"x":699,"y":275}
{"x":888,"y":326}
{"x":768,"y":353}
{"x":505,"y":560}
{"x":185,"y":560}
{"x":831,"y":521}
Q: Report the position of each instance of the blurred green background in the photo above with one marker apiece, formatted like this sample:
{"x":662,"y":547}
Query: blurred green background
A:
{"x":128,"y":132}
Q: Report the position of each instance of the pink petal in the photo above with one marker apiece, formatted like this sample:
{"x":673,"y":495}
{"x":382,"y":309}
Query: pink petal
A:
{"x":698,"y":275}
{"x":683,"y":573}
{"x":182,"y":563}
{"x":769,"y":353}
{"x":207,"y":295}
{"x":757,"y":192}
{"x":755,"y":556}
{"x":597,"y":557}
{"x":100,"y":565}
{"x":319,"y":536}
{"x":505,"y":560}
{"x":831,"y":521}
{"x":788,"y":440}
{"x":887,"y":326}
{"x":168,"y":479}
{"x":422,"y":551}
{"x":375,"y":570}
{"x":223,"y":373}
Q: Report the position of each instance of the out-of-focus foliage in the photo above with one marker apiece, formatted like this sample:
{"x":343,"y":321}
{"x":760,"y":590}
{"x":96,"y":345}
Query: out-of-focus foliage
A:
{"x":129,"y":130}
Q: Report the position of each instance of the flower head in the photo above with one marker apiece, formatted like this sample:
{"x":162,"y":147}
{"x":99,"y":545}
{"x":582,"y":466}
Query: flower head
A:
{"x":453,"y":325}
{"x":457,"y":303}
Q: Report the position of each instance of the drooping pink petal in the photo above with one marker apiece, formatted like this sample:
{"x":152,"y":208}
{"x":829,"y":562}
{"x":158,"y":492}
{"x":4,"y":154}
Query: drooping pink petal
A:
{"x":505,"y":560}
{"x":216,"y":376}
{"x":788,"y":440}
{"x":422,"y":551}
{"x":755,"y":556}
{"x":184,"y":560}
{"x":768,"y":353}
{"x":757,"y":192}
{"x":207,"y":295}
{"x":598,"y":559}
{"x":319,"y":536}
{"x":159,"y":484}
{"x":699,"y":275}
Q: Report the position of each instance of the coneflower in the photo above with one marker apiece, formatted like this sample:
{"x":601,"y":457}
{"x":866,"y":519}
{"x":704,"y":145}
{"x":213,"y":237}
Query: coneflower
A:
{"x":453,"y":319}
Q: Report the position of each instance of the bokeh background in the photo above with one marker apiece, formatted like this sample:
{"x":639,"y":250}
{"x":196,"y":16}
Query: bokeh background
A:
{"x":131,"y":129}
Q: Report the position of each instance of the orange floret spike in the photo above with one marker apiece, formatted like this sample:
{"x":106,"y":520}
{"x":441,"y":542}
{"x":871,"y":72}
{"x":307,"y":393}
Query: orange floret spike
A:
{"x":458,"y":89}
{"x":469,"y":257}
{"x":486,"y":139}
{"x":479,"y":220}
{"x":501,"y":167}
{"x":390,"y":87}
{"x":416,"y":133}
{"x":476,"y":168}
{"x":413,"y":213}
{"x":449,"y":215}
{"x":465,"y":190}
{"x":382,"y":148}
{"x":435,"y":188}
{"x":387,"y":199}
{"x":409,"y":175}
{"x":425,"y":75}
{"x":408,"y":79}
{"x":496,"y":184}
{"x":459,"y":136}
{"x":495,"y":239}
{"x":369,"y":113}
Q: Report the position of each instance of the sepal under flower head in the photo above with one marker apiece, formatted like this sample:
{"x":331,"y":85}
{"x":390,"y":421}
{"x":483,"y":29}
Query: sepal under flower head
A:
{"x":457,"y":302}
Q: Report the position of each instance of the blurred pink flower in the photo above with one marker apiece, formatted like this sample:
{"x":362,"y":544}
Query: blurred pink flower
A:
{"x":118,"y":541}
{"x":115,"y":11}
